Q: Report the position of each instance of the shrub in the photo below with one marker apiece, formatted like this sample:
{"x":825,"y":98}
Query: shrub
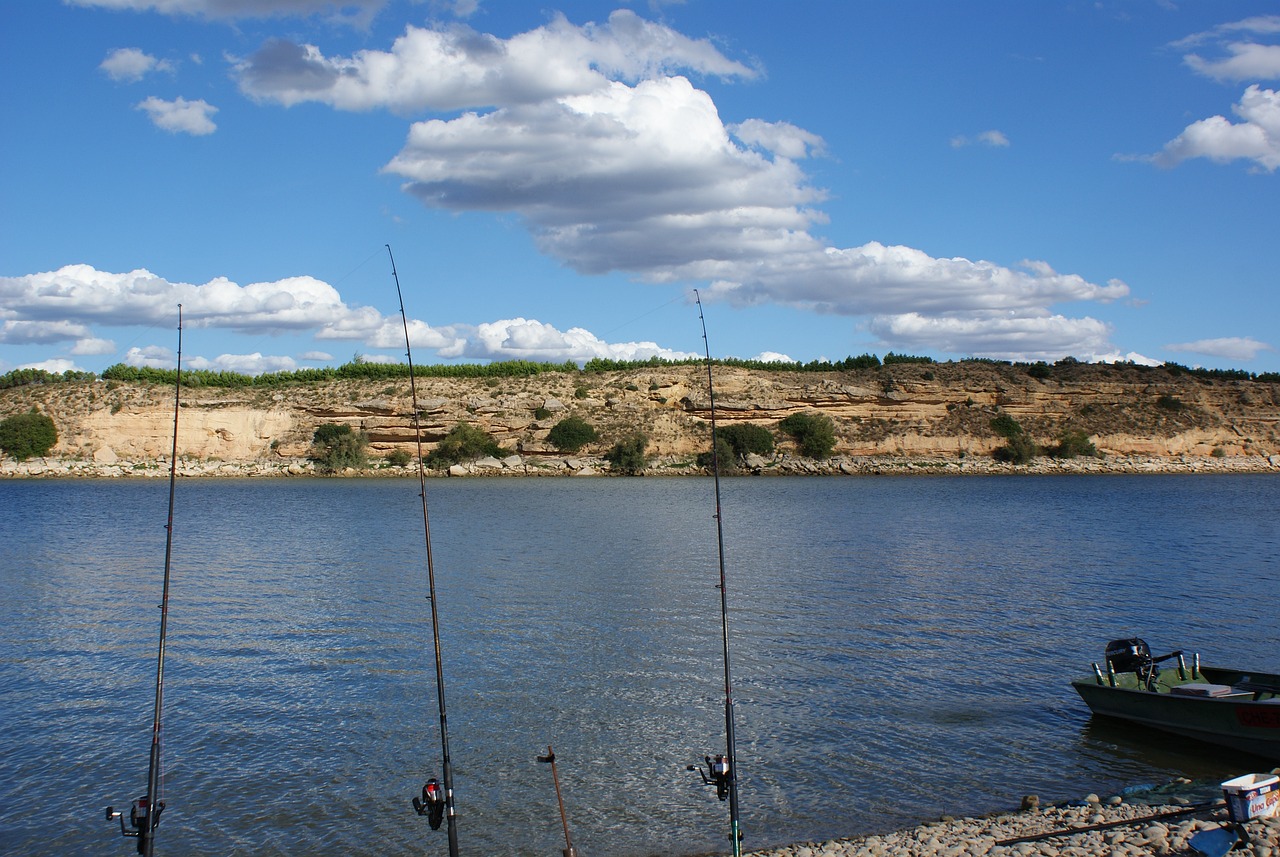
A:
{"x":1020,"y":450}
{"x":744,"y":438}
{"x":399,"y":458}
{"x":725,"y":456}
{"x":541,"y":413}
{"x":464,"y":442}
{"x":1074,"y":442}
{"x":627,"y":456}
{"x":28,"y":435}
{"x":814,"y":434}
{"x":1040,"y":370}
{"x":336,"y":447}
{"x":571,"y":434}
{"x":1005,"y":426}
{"x":1170,"y":403}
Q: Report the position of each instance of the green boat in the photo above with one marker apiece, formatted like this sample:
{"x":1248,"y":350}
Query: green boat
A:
{"x":1228,"y":707}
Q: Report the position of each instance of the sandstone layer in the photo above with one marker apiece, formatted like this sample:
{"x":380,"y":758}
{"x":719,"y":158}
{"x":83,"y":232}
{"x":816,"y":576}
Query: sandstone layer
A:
{"x":886,"y":417}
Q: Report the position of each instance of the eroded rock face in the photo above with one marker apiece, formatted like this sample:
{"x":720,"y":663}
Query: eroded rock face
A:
{"x":940,"y":411}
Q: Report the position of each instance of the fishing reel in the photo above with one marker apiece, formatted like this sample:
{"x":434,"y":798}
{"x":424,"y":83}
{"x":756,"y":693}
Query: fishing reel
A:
{"x":138,"y":820}
{"x":431,"y":804}
{"x":717,"y":773}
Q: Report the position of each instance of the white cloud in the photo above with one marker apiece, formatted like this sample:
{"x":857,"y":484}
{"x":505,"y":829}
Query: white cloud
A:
{"x":180,"y":115}
{"x":529,"y":339}
{"x":56,"y":365}
{"x":130,"y":65}
{"x":1255,"y":139}
{"x":1245,"y":59}
{"x":150,"y":357}
{"x":91,"y":346}
{"x":1007,"y":337}
{"x":458,"y":68}
{"x":772,"y":357}
{"x":355,"y":11}
{"x":31,"y":332}
{"x":781,"y":138}
{"x":1248,"y":61}
{"x":1241,"y":348}
{"x":316,"y":356}
{"x":245,"y":364}
{"x":993,"y":139}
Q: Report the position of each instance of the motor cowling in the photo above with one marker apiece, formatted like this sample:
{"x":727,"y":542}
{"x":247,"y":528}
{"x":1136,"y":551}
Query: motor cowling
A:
{"x":1130,"y":656}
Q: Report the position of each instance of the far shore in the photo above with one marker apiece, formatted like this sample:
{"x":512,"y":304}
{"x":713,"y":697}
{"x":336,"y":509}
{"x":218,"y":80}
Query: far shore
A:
{"x":587,"y":466}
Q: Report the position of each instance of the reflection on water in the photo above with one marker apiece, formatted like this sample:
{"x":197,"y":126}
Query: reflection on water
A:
{"x":902,"y":649}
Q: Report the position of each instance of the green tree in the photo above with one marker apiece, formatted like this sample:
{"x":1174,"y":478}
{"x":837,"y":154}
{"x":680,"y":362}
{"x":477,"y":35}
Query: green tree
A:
{"x":571,"y":434}
{"x":336,"y":447}
{"x":464,"y":442}
{"x":814,"y":434}
{"x":28,"y":435}
{"x":627,"y":456}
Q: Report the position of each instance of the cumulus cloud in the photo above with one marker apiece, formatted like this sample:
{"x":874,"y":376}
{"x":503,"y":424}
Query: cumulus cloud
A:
{"x":130,"y":65}
{"x":56,"y":365}
{"x":63,"y":305}
{"x":1256,"y":138}
{"x":458,"y":68}
{"x":530,"y":339}
{"x":1230,"y":348}
{"x":1000,"y":336}
{"x":181,"y":116}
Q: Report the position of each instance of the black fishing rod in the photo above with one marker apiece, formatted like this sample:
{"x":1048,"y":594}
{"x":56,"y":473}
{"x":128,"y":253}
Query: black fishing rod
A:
{"x":144,"y":815}
{"x":433,"y":804}
{"x":722,"y":772}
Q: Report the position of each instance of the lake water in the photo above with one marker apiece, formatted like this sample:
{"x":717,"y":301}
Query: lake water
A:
{"x":902,"y":648}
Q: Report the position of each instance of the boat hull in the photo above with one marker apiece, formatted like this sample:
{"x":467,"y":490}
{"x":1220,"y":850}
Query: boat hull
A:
{"x":1244,"y":721}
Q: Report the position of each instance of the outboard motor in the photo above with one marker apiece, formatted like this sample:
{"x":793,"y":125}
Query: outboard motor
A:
{"x":1130,"y":656}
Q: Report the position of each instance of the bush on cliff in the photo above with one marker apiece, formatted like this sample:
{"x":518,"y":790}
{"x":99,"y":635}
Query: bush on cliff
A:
{"x":29,"y":435}
{"x":814,"y":434}
{"x":745,"y":438}
{"x":336,"y":447}
{"x":571,"y":434}
{"x":1074,"y":442}
{"x":725,"y":457}
{"x":464,"y":442}
{"x":627,"y":456}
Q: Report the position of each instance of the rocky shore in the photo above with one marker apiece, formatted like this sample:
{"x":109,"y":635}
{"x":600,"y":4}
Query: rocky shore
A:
{"x":545,"y":465}
{"x":1118,"y":829}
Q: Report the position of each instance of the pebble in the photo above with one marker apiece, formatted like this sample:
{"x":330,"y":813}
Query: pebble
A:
{"x":977,"y":837}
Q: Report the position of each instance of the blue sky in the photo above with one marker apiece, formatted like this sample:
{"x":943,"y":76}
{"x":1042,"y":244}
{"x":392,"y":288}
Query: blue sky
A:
{"x":1013,"y":180}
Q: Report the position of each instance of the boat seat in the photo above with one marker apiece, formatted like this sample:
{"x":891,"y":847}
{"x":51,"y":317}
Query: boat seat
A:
{"x":1203,"y":689}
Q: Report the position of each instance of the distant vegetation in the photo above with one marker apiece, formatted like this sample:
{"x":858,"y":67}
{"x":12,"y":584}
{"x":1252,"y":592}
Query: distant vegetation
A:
{"x":464,"y":442}
{"x":814,"y":434}
{"x":571,"y":434}
{"x":628,"y":456}
{"x":28,"y":435}
{"x":1020,"y":449}
{"x":363,"y":370}
{"x":336,"y":447}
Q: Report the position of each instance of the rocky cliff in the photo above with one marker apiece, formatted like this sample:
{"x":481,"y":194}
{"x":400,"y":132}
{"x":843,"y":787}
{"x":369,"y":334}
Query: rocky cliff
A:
{"x":896,"y":413}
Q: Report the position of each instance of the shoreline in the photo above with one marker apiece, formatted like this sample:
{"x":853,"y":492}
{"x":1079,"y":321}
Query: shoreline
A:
{"x":1119,"y":828}
{"x":517,"y":466}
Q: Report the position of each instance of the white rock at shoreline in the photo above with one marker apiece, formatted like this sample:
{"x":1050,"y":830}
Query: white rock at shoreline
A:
{"x":976,"y":837}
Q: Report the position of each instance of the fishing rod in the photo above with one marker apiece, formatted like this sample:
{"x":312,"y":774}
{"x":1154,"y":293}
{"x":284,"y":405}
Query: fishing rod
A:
{"x":144,"y":815}
{"x":435,"y":803}
{"x":722,"y":772}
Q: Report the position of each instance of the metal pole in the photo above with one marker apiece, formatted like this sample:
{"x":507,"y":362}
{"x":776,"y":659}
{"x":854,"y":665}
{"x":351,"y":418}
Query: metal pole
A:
{"x":446,"y":764}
